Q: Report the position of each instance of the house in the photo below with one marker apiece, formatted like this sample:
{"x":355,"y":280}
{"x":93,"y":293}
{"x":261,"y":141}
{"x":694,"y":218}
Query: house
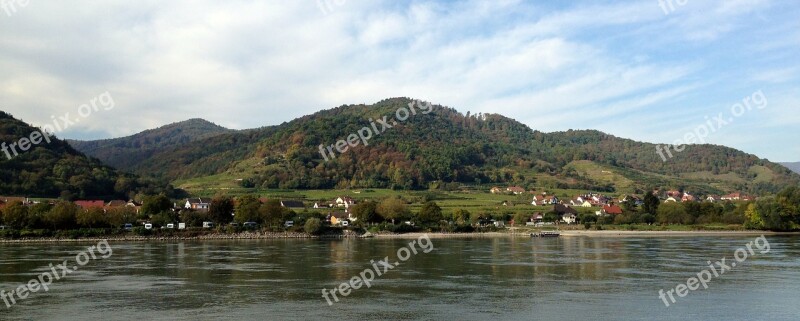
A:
{"x":197,"y":204}
{"x":10,"y":199}
{"x":688,"y":198}
{"x":496,"y":190}
{"x":318,"y":205}
{"x":632,"y":198}
{"x":293,"y":204}
{"x":344,"y":201}
{"x":580,"y":203}
{"x":563,"y":209}
{"x":116,"y":204}
{"x":569,"y":218}
{"x":712,"y":199}
{"x":675,"y":194}
{"x":542,"y":200}
{"x":671,"y":200}
{"x":336,"y":218}
{"x":516,"y":190}
{"x":611,"y":210}
{"x":736,"y":197}
{"x":85,"y":205}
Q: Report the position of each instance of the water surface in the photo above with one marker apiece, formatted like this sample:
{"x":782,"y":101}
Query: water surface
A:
{"x":575,"y":278}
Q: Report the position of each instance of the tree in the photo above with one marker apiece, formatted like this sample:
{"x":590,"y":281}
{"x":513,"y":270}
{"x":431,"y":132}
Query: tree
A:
{"x":313,"y":226}
{"x":767,"y":214}
{"x":392,"y":209}
{"x":247,"y":210}
{"x":116,"y":217}
{"x":221,"y":210}
{"x":551,"y":217}
{"x":673,"y":213}
{"x":155,"y":204}
{"x":520,"y":218}
{"x":366,"y":212}
{"x":61,"y":216}
{"x":587,"y":218}
{"x":651,"y":203}
{"x":15,"y":215}
{"x":461,"y":216}
{"x":91,"y":217}
{"x":430,"y":214}
{"x":273,"y":213}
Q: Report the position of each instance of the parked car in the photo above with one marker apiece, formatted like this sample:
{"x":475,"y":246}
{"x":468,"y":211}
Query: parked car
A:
{"x":208,"y":224}
{"x":288,"y":224}
{"x":170,"y":226}
{"x":128,"y":226}
{"x":2,"y":227}
{"x":234,"y":224}
{"x":250,"y":225}
{"x":181,"y":226}
{"x":148,"y":226}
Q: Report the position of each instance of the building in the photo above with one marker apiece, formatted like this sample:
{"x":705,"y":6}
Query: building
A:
{"x":293,"y":204}
{"x":198,"y":204}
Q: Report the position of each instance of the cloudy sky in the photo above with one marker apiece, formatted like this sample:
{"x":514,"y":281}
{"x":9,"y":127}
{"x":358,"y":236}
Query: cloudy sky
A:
{"x":636,"y":69}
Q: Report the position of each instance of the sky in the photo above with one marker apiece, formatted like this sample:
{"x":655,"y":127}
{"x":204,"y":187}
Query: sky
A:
{"x":646,"y":70}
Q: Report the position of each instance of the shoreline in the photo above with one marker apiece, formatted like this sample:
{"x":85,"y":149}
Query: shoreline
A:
{"x":488,"y":235}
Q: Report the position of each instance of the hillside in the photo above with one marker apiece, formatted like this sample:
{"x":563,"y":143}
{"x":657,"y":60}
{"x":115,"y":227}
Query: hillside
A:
{"x":445,"y":146}
{"x":56,"y":169}
{"x":793,"y":166}
{"x":126,"y":153}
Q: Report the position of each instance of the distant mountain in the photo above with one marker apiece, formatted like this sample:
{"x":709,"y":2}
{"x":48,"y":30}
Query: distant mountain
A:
{"x":54,"y":168}
{"x":127,"y":152}
{"x":793,"y":166}
{"x":444,"y":147}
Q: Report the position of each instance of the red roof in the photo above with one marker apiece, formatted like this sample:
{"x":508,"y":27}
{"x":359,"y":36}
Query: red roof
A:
{"x":612,"y":209}
{"x":88,"y":204}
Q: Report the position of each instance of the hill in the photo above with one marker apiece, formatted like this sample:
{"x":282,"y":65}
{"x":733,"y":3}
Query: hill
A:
{"x":793,"y":166}
{"x":53,"y":168}
{"x":126,"y":153}
{"x":444,"y":146}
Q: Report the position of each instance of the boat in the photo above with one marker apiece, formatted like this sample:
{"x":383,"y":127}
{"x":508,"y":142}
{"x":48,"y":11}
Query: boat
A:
{"x":546,"y":234}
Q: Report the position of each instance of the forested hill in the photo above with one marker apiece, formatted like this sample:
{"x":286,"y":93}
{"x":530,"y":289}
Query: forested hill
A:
{"x":127,"y":152}
{"x":56,"y":169}
{"x":446,"y":146}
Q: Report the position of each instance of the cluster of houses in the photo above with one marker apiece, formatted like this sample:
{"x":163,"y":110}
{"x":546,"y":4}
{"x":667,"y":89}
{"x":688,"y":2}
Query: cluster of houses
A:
{"x":85,"y":204}
{"x":339,"y":213}
{"x":604,"y":205}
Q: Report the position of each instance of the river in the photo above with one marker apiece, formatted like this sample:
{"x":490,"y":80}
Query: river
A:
{"x":504,"y":278}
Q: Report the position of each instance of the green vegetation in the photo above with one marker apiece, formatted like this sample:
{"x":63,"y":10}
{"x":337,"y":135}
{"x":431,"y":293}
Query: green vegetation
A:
{"x":443,"y":150}
{"x":55,"y":169}
{"x":127,"y":152}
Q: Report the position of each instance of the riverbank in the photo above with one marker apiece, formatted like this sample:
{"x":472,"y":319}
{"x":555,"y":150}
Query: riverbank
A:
{"x":354,"y":235}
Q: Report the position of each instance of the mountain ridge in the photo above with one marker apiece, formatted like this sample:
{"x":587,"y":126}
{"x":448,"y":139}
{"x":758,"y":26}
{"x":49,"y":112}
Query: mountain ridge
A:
{"x":446,"y":146}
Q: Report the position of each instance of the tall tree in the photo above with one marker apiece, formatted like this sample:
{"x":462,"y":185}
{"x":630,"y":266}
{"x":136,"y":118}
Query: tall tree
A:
{"x":366,"y":212}
{"x":392,"y":209}
{"x":429,"y":214}
{"x":651,"y":203}
{"x":221,"y":210}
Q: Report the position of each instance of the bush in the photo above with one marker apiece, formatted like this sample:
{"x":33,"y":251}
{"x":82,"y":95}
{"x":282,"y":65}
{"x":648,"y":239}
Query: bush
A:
{"x":313,"y":226}
{"x":140,"y":230}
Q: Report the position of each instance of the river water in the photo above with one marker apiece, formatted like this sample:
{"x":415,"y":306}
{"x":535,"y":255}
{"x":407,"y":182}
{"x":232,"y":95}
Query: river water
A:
{"x":569,"y":278}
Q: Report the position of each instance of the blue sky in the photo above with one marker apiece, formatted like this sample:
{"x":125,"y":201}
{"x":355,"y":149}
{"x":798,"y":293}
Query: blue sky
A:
{"x":628,"y":68}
